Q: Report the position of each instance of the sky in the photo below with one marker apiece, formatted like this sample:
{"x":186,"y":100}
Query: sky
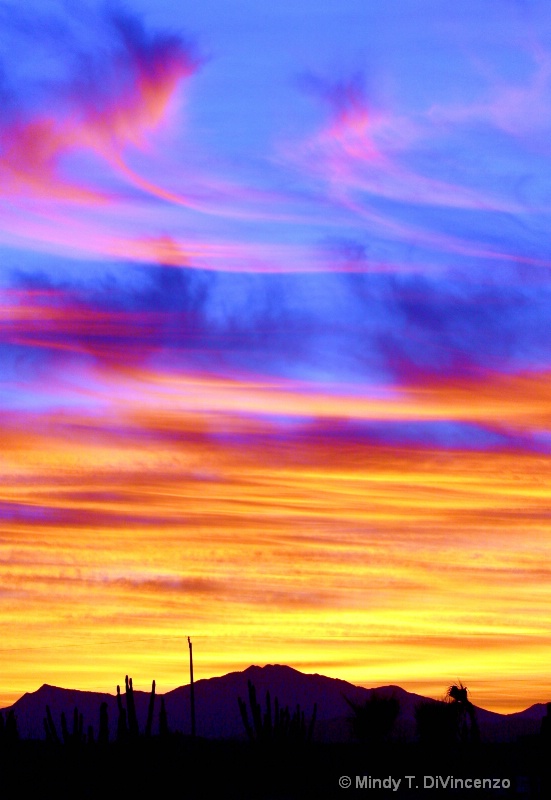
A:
{"x":275,"y":365}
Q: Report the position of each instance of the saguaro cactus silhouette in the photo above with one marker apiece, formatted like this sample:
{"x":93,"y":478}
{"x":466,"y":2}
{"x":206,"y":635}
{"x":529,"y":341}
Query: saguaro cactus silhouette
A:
{"x":149,"y":722}
{"x":75,"y":736}
{"x":191,"y":687}
{"x":128,"y":720}
{"x":122,"y":729}
{"x":49,"y":727}
{"x":133,"y":728}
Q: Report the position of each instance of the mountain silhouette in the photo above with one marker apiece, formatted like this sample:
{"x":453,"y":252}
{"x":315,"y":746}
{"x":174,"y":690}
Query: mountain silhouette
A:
{"x":218,"y":714}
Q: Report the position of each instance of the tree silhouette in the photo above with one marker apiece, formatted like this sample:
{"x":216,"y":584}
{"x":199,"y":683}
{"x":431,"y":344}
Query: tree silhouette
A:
{"x":444,"y":724}
{"x":467,"y":725}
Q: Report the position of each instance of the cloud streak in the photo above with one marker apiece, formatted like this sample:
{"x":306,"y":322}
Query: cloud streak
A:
{"x":191,"y":522}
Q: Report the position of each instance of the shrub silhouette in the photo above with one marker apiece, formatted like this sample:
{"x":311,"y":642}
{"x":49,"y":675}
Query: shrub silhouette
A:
{"x":374,"y":719}
{"x":436,"y":723}
{"x":8,"y":728}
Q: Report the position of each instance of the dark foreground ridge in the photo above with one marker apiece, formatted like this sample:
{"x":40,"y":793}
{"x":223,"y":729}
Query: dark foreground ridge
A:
{"x":182,"y":767}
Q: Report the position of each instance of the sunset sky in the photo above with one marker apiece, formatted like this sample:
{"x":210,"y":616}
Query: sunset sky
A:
{"x":275,"y":343}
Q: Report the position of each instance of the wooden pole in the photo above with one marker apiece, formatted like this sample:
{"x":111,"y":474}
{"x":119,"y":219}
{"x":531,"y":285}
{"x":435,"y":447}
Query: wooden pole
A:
{"x":191,"y":688}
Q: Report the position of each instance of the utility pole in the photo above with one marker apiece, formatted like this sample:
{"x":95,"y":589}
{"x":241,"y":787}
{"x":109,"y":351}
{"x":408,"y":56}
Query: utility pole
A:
{"x":191,"y":688}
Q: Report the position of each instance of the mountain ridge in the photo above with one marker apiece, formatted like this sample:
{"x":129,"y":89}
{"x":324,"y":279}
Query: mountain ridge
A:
{"x":218,"y":714}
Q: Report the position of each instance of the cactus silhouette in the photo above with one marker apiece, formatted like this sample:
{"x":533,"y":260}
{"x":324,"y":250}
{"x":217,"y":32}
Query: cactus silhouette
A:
{"x":149,"y":722}
{"x":122,"y":729}
{"x":282,"y":726}
{"x":49,"y":727}
{"x":128,"y":726}
{"x":75,"y":736}
{"x":133,"y":728}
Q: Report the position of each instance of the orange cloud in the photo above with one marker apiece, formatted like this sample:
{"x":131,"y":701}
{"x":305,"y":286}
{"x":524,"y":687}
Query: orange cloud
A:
{"x":521,"y":402}
{"x":122,"y":529}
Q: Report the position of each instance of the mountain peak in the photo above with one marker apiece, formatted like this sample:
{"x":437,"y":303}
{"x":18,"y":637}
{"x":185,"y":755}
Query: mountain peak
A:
{"x":283,"y":669}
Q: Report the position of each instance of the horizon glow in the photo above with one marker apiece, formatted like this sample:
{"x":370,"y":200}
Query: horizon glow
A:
{"x":275,"y":370}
